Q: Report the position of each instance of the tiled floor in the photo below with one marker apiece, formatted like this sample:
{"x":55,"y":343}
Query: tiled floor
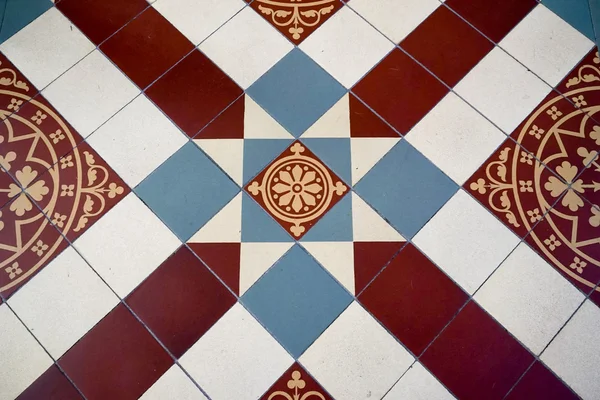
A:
{"x":299,"y":200}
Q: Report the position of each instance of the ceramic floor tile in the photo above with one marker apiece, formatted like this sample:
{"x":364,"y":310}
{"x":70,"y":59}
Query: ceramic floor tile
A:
{"x":296,"y":21}
{"x":191,"y":301}
{"x":174,"y":383}
{"x":570,"y":356}
{"x":399,"y":83}
{"x":298,"y":383}
{"x":236,"y":358}
{"x":418,"y":383}
{"x":117,"y":346}
{"x":51,"y":385}
{"x":355,"y":358}
{"x":47,"y":47}
{"x":540,"y":383}
{"x":197,"y":20}
{"x":99,"y":20}
{"x":475,"y":357}
{"x":346,"y":46}
{"x":17,"y":14}
{"x":248,"y":37}
{"x":576,"y":13}
{"x":193,"y":92}
{"x":149,"y":37}
{"x":413,"y":299}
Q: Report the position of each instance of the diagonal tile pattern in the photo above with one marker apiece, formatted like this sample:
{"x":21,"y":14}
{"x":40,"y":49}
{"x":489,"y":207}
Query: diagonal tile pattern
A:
{"x":298,"y":199}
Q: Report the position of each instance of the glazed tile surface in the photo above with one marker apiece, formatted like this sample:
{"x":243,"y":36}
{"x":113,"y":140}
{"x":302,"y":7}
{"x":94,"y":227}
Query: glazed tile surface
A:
{"x":299,"y":200}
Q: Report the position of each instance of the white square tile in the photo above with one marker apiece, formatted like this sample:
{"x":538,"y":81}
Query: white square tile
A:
{"x":237,"y":358}
{"x":529,"y":298}
{"x":418,"y":384}
{"x":574,"y":355}
{"x":90,"y":93}
{"x":197,"y":19}
{"x":174,"y":384}
{"x":23,"y":359}
{"x":466,"y":241}
{"x":137,"y":140}
{"x":356,"y":358}
{"x":502,"y":90}
{"x":346,"y":46}
{"x":546,"y":44}
{"x":46,"y":48}
{"x":395,"y":19}
{"x":246,"y":47}
{"x":63,"y":302}
{"x":127,"y":244}
{"x":455,"y":137}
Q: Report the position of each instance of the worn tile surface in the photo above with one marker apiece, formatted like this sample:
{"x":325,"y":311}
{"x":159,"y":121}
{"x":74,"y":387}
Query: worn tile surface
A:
{"x":299,"y":200}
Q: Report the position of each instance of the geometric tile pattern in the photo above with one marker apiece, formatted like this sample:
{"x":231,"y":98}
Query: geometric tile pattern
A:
{"x":298,"y":199}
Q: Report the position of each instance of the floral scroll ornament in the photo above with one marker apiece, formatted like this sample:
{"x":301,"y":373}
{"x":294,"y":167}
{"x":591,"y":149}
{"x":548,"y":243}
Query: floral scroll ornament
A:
{"x":296,"y":14}
{"x":297,"y":384}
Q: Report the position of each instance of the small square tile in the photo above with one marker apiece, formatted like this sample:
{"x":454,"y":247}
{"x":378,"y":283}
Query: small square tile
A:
{"x":516,"y":90}
{"x":237,"y":358}
{"x":399,"y":83}
{"x":529,"y":298}
{"x":173,"y":384}
{"x":149,"y":37}
{"x":296,"y":92}
{"x":346,"y":46}
{"x":191,"y":300}
{"x":305,"y":18}
{"x":117,"y":347}
{"x":455,"y":137}
{"x":355,"y":358}
{"x":197,"y":20}
{"x":572,"y":354}
{"x":405,"y":180}
{"x":546,"y":44}
{"x":114,"y":250}
{"x":540,"y":384}
{"x":296,"y":300}
{"x":475,"y":358}
{"x":418,"y":383}
{"x":246,"y":37}
{"x":90,"y":93}
{"x":186,"y":177}
{"x":63,"y":302}
{"x":47,"y":47}
{"x":304,"y":189}
{"x":100,"y":19}
{"x":395,"y":19}
{"x":413,"y":299}
{"x":466,"y":241}
{"x":193,"y":92}
{"x":298,"y":383}
{"x":137,"y":140}
{"x":51,"y":385}
{"x":23,"y":359}
{"x":17,"y":14}
{"x":495,"y":20}
{"x":447,"y":45}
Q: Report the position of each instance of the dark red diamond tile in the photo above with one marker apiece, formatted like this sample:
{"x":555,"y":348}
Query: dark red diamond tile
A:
{"x":117,"y":359}
{"x":228,"y":125}
{"x":541,"y":384}
{"x":369,"y":259}
{"x":494,"y":19}
{"x":447,"y":45}
{"x":191,"y":300}
{"x":297,"y":189}
{"x":223,"y":259}
{"x":193,"y":92}
{"x":51,"y":385}
{"x":296,"y":20}
{"x":296,"y":383}
{"x":413,"y":299}
{"x":100,"y":19}
{"x":151,"y":38}
{"x":400,"y":90}
{"x":475,"y":357}
{"x":364,"y":123}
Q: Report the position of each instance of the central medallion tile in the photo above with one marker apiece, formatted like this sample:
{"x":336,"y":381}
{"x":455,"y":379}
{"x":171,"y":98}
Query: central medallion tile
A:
{"x":297,"y":189}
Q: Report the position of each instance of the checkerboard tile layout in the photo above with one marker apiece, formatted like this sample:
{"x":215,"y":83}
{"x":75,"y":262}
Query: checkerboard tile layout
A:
{"x":316,"y":199}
